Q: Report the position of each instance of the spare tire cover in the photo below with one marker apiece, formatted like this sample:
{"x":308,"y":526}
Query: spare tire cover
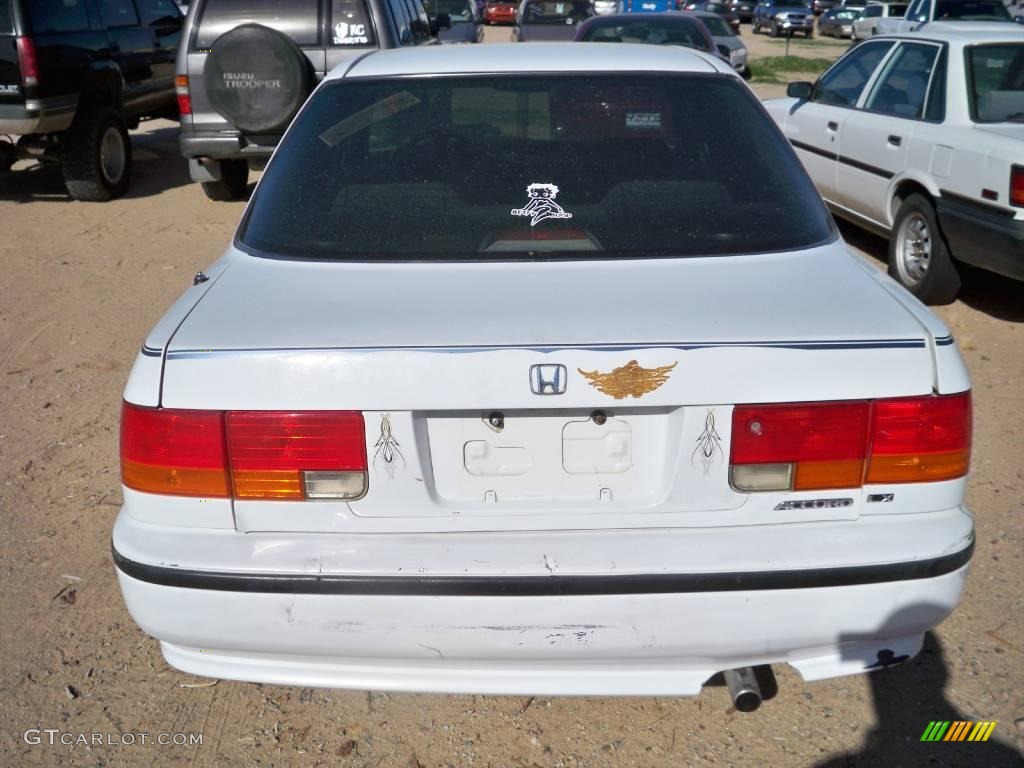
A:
{"x":257,"y":78}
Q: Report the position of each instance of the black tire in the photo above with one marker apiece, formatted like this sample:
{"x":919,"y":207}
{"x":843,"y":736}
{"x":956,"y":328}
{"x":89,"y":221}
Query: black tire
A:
{"x":810,"y":34}
{"x":919,"y":258}
{"x":96,"y":156}
{"x":773,"y":31}
{"x":233,"y":184}
{"x":256,"y":78}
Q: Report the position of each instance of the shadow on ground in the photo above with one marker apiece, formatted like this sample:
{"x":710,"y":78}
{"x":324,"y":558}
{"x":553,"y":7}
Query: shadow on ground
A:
{"x":157,"y":166}
{"x":906,"y":699}
{"x":987,"y":292}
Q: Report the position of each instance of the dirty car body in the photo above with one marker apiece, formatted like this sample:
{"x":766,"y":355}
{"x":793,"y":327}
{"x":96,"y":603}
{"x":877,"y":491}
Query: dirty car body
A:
{"x":540,"y":425}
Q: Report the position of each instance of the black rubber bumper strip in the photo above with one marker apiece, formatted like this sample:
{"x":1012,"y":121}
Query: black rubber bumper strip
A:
{"x":542,"y":586}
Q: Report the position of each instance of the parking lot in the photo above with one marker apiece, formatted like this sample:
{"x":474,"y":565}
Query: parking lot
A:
{"x":80,"y":287}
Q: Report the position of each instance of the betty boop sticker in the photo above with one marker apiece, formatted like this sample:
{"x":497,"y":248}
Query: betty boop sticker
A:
{"x":541,"y":204}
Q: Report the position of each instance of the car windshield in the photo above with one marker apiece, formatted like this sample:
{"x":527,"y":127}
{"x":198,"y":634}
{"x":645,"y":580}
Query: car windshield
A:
{"x":996,"y":82}
{"x":717,"y":26}
{"x":533,"y":166}
{"x":679,"y":31}
{"x":971,"y":10}
{"x":556,"y":12}
{"x":460,"y":11}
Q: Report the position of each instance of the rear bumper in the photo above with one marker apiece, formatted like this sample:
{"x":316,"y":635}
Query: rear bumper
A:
{"x":661,"y":632}
{"x":47,"y":116}
{"x":222,"y":146}
{"x":982,"y":235}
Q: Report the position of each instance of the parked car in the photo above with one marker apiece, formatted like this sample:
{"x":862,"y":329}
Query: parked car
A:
{"x":550,"y":20}
{"x":783,"y":17}
{"x":366,"y":453}
{"x":500,"y":12}
{"x":75,"y":76}
{"x":464,"y":25}
{"x":247,"y":66}
{"x":683,"y":29}
{"x":837,"y":22}
{"x":920,"y":137}
{"x":744,"y":9}
{"x":866,"y":25}
{"x":721,"y":9}
{"x":728,"y":44}
{"x":921,"y":11}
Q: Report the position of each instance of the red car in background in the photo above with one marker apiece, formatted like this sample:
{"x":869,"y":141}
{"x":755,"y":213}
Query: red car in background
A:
{"x":498,"y":12}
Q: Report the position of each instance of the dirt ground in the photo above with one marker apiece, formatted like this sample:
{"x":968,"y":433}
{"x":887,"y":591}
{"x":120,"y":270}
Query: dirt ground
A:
{"x":80,"y":286}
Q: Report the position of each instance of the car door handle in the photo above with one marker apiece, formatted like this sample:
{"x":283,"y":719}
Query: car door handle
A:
{"x":833,"y":125}
{"x":895,"y":141}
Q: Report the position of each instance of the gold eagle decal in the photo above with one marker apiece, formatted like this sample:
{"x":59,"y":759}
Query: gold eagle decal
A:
{"x":629,"y":380}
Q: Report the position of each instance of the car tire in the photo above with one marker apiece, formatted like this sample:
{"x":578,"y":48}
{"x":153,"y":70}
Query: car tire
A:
{"x":754,"y":28}
{"x":810,"y":33}
{"x":919,"y":258}
{"x":773,"y":31}
{"x":233,"y":182}
{"x":96,"y":156}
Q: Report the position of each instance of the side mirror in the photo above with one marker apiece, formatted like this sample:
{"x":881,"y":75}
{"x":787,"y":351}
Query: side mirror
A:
{"x":800,"y":90}
{"x":440,"y":22}
{"x":724,"y":51}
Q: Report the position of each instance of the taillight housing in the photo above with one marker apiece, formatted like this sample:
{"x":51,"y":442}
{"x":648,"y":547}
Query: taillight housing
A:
{"x":283,"y":455}
{"x":183,"y":94}
{"x":1017,"y":186}
{"x":27,"y":61}
{"x":820,"y":446}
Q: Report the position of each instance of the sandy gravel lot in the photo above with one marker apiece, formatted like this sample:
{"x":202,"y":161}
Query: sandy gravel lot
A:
{"x":82,"y":283}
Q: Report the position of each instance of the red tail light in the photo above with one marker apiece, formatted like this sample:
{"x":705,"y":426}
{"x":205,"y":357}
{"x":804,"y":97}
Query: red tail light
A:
{"x":817,"y":446}
{"x":1017,"y":186}
{"x":174,"y":452}
{"x":245,"y":454}
{"x":182,"y":92}
{"x":27,"y":62}
{"x":276,"y":455}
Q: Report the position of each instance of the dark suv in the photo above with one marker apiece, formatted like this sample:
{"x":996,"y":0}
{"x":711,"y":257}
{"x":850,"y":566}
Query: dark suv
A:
{"x":75,"y":75}
{"x":246,"y":67}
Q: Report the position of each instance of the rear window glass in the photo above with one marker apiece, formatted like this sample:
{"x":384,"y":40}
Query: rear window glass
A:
{"x":996,"y":82}
{"x":460,"y":11}
{"x":556,"y":12}
{"x":57,"y":15}
{"x":971,"y":10}
{"x":299,"y":19}
{"x":646,"y":31}
{"x":521,"y":166}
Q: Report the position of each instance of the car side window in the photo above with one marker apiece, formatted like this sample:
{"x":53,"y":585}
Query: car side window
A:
{"x":403,"y":24}
{"x":157,"y":12}
{"x":118,"y":13}
{"x":57,"y":16}
{"x":936,"y":108}
{"x":350,"y":23}
{"x":843,"y":83}
{"x":872,"y":10}
{"x":903,"y":85}
{"x":419,"y":22}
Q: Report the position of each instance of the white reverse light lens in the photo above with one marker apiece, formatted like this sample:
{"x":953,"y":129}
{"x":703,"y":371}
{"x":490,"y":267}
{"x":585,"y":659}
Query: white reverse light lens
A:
{"x":334,"y":485}
{"x":761,"y":477}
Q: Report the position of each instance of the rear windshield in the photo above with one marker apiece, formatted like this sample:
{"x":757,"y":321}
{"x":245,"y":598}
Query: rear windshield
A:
{"x":556,"y":12}
{"x":518,"y":166}
{"x":460,"y":11}
{"x":652,"y":32}
{"x":299,"y":19}
{"x":995,"y":75}
{"x":971,"y":10}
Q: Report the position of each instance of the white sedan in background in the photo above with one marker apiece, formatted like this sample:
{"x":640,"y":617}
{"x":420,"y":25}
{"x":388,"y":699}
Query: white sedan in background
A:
{"x":920,"y":138}
{"x":520,"y":376}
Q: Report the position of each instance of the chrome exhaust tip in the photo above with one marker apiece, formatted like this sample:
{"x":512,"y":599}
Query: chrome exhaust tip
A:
{"x":744,"y":689}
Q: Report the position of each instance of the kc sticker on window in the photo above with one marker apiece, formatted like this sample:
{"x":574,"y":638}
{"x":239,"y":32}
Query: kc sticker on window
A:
{"x":350,"y":34}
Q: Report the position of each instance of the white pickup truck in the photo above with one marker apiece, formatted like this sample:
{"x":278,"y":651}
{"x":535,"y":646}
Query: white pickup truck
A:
{"x":921,"y":11}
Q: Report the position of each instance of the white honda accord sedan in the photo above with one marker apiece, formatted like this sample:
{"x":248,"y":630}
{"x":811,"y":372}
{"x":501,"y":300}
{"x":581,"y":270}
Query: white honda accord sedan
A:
{"x":541,"y":370}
